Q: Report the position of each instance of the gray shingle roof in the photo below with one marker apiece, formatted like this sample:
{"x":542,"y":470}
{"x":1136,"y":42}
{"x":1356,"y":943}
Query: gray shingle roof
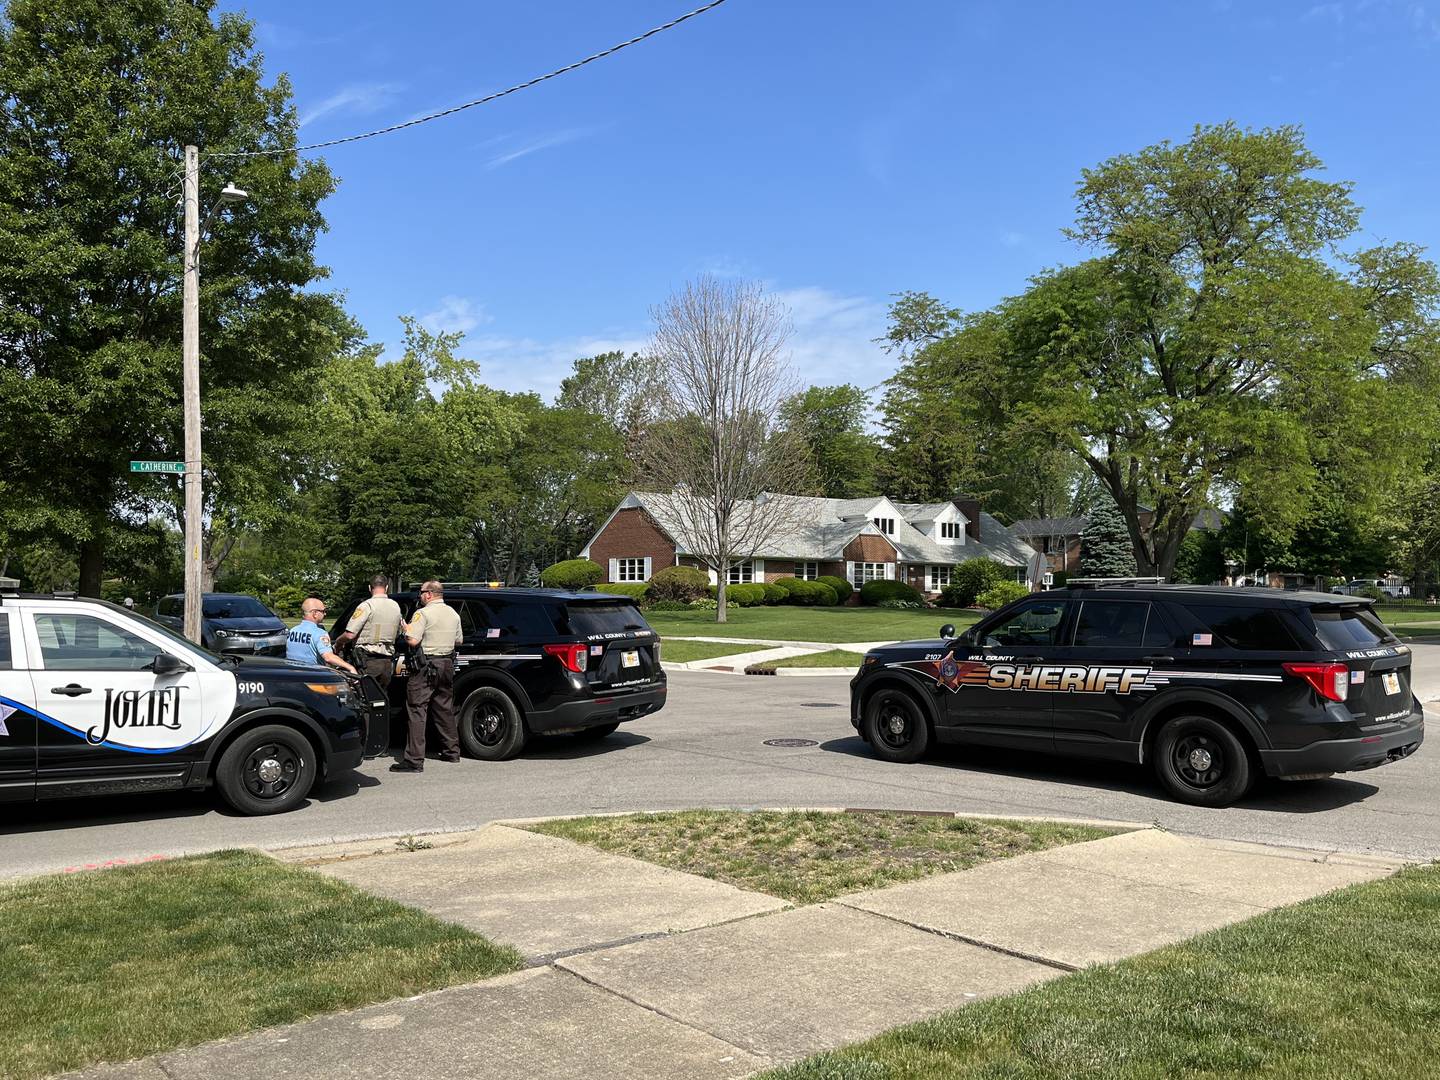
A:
{"x":818,"y":529}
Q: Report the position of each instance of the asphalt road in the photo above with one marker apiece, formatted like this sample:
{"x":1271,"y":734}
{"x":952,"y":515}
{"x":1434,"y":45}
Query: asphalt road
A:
{"x":707,"y":748}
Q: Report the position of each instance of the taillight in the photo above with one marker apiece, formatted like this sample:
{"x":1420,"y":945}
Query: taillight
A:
{"x":576,"y":658}
{"x":1329,"y":680}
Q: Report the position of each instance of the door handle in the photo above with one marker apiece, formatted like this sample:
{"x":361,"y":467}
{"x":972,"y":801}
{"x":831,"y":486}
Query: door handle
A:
{"x":1159,"y":659}
{"x":1029,"y":659}
{"x":73,"y":690}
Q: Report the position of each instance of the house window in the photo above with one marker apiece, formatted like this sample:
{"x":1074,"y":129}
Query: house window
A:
{"x":885,"y":525}
{"x":629,"y":569}
{"x":740,"y":573}
{"x":867,"y":571}
{"x":949,"y":530}
{"x":936,"y":578}
{"x":807,"y":571}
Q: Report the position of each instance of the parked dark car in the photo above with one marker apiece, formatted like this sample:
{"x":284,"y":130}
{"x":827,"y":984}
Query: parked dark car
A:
{"x":230,"y":623}
{"x":1209,"y":686}
{"x":540,"y":661}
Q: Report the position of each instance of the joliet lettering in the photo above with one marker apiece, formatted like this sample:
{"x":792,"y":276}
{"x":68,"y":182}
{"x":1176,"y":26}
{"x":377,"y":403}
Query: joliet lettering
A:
{"x":1051,"y":678}
{"x":137,"y":708}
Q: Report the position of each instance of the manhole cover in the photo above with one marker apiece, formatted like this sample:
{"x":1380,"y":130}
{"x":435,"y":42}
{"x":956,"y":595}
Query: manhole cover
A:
{"x":791,"y":742}
{"x":819,"y":704}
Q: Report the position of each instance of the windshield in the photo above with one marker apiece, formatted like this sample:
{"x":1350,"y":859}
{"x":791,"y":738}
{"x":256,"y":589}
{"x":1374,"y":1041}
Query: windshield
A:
{"x":152,"y":625}
{"x":235,"y":607}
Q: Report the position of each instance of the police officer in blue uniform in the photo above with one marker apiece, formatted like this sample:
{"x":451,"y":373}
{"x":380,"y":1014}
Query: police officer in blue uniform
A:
{"x":308,"y":643}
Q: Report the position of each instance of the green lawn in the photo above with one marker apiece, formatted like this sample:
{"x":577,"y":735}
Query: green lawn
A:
{"x":1412,"y":622}
{"x":786,"y":623}
{"x":682,"y":652}
{"x":1344,"y":985}
{"x":828,"y":658}
{"x":807,"y":856}
{"x":113,"y":965}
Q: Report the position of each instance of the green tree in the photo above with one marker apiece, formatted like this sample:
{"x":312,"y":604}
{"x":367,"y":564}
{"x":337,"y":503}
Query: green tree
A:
{"x":1105,"y":549}
{"x":625,"y":390}
{"x":1220,"y":342}
{"x":830,"y":421}
{"x":561,"y":478}
{"x":416,"y":446}
{"x":98,"y":100}
{"x":951,"y":421}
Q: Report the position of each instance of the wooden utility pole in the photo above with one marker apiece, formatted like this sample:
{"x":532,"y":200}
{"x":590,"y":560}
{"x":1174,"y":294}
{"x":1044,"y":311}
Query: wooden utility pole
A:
{"x":190,"y":359}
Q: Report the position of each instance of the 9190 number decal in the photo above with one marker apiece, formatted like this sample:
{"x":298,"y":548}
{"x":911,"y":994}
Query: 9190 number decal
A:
{"x":250,"y":687}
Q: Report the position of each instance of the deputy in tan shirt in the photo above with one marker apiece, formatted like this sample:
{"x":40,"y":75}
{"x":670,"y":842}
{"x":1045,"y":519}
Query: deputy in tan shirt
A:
{"x":373,"y":628}
{"x":430,"y":692}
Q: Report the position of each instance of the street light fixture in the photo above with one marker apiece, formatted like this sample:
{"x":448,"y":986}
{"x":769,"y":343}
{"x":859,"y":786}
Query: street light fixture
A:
{"x":190,"y":362}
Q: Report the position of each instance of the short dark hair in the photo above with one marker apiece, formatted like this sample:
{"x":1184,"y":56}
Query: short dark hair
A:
{"x":380,"y":581}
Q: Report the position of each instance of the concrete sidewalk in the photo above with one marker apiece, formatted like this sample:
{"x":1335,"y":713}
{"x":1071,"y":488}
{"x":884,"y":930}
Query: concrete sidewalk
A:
{"x":645,"y":972}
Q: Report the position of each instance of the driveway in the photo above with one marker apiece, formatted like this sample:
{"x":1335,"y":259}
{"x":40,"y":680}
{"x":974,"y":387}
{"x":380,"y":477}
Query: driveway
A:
{"x":707,"y":748}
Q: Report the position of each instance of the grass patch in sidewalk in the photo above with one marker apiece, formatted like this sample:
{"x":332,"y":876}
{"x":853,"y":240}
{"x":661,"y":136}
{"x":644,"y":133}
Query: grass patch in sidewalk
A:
{"x":1343,"y":985}
{"x":118,"y":964}
{"x":829,"y":658}
{"x":806,"y":856}
{"x":682,"y":652}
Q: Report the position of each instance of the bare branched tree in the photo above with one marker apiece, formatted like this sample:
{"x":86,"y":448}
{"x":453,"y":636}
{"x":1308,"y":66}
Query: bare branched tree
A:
{"x":719,"y":347}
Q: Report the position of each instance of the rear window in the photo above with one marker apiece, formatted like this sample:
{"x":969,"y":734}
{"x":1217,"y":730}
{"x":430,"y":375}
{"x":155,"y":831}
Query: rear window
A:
{"x":1250,"y":629}
{"x":1350,"y":628}
{"x":587,"y":620}
{"x":510,"y":617}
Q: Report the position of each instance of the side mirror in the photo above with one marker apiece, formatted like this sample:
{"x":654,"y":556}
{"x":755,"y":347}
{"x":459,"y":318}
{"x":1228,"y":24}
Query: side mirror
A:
{"x":947,"y":631}
{"x":166,"y":664}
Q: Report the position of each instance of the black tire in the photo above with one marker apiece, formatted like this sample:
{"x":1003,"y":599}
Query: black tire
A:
{"x":590,"y":734}
{"x":895,"y":726}
{"x":1200,"y":761}
{"x":267,"y":770}
{"x":491,"y":727}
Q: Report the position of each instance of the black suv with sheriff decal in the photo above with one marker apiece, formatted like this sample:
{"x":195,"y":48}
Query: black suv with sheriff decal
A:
{"x":1210,"y":686}
{"x":540,"y":661}
{"x":98,"y":700}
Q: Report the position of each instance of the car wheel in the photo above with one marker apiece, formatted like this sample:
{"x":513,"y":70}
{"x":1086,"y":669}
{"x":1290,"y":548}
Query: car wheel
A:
{"x":1201,"y":761}
{"x":267,"y":771}
{"x":491,"y":727}
{"x":896,"y":726}
{"x":598,"y":732}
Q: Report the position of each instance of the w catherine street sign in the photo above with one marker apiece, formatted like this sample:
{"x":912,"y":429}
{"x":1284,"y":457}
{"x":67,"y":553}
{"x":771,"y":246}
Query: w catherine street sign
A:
{"x":157,"y":466}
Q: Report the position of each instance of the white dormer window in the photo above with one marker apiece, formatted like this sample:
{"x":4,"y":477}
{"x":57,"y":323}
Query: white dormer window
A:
{"x":885,"y":525}
{"x":950,"y":530}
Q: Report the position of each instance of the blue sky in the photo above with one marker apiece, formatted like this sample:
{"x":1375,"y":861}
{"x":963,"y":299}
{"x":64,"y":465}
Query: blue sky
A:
{"x":838,"y":151}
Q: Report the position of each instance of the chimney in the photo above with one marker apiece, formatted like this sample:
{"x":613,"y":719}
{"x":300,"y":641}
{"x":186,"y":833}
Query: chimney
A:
{"x":970,"y":507}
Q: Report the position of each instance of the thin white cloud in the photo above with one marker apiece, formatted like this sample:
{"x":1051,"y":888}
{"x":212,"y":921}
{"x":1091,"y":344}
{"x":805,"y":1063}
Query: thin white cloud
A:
{"x":455,"y":314}
{"x":834,"y":337}
{"x":358,"y":98}
{"x":1326,"y":13}
{"x":524,"y":365}
{"x":539,"y":142}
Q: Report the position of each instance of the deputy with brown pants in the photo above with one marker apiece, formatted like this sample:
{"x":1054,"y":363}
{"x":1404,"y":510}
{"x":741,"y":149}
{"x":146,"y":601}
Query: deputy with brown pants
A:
{"x":434,"y":630}
{"x":373,"y":629}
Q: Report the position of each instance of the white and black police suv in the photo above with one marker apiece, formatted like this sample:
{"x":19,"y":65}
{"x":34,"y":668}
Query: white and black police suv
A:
{"x":1209,"y":686}
{"x":539,"y":662}
{"x":97,"y":700}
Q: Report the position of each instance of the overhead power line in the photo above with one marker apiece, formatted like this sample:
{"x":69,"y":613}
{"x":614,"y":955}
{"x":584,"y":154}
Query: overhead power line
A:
{"x":478,"y":101}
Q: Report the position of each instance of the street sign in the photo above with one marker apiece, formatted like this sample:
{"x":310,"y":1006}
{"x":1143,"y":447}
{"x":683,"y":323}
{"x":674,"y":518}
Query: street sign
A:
{"x":157,"y":466}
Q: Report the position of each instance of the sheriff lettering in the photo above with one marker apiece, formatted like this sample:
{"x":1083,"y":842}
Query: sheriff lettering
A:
{"x":135,"y":709}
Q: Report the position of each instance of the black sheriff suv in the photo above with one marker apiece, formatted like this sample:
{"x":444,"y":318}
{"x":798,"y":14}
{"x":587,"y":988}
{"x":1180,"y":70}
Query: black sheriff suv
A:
{"x":96,"y":699}
{"x":1209,"y":686}
{"x":539,"y":662}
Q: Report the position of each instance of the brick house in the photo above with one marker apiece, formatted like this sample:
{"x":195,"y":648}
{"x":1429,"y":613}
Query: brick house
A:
{"x":856,"y":539}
